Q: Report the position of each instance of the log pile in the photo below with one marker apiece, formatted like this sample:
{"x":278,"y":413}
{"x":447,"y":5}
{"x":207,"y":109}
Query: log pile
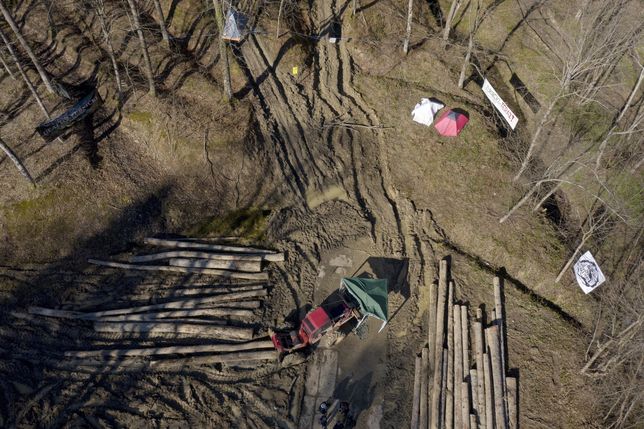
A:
{"x":461,"y":381}
{"x":195,"y":257}
{"x":192,"y":326}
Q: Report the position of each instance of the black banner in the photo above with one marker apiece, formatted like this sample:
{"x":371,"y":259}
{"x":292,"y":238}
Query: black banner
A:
{"x":54,"y":128}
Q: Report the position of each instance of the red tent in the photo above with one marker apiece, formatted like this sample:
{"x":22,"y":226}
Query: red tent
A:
{"x":451,"y":123}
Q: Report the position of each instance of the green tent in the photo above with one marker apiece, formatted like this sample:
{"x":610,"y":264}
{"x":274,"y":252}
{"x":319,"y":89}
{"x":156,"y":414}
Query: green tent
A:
{"x":371,"y":295}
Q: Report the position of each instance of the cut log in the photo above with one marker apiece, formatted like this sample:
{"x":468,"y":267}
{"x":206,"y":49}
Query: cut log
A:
{"x":158,"y":351}
{"x":465,"y":404}
{"x":431,"y":328}
{"x":166,"y":315}
{"x":248,"y":266}
{"x":146,"y":318}
{"x":415,"y":408}
{"x":489,"y":394}
{"x":229,"y":358}
{"x":458,"y":366}
{"x":203,"y":255}
{"x":424,"y":379}
{"x":214,"y":331}
{"x":474,"y":392}
{"x":62,"y":314}
{"x":465,"y":336}
{"x":513,"y":402}
{"x":439,"y":344}
{"x":479,"y":349}
{"x":443,"y":394}
{"x":182,"y":304}
{"x":473,"y":424}
{"x":499,"y":312}
{"x":171,"y":293}
{"x":449,"y":394}
{"x":207,"y":246}
{"x":204,"y":271}
{"x":494,"y":347}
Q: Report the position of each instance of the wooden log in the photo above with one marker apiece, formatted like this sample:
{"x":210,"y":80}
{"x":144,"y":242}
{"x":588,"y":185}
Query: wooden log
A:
{"x":159,"y":351}
{"x":473,"y":424}
{"x":465,"y":404}
{"x":62,"y":314}
{"x":489,"y":394}
{"x":499,"y":312}
{"x":182,"y":304}
{"x":424,"y":379}
{"x":169,"y":315}
{"x":247,"y":266}
{"x":431,"y":327}
{"x":479,"y":349}
{"x":416,"y":396}
{"x":435,"y":415}
{"x":215,"y":331}
{"x":449,"y":394}
{"x":181,"y":244}
{"x":204,"y":255}
{"x":204,"y":271}
{"x":513,"y":402}
{"x":494,"y":347}
{"x":474,"y":392}
{"x":172,"y":293}
{"x":134,"y":318}
{"x":458,"y":367}
{"x":465,"y":337}
{"x":443,"y":395}
{"x":228,"y":358}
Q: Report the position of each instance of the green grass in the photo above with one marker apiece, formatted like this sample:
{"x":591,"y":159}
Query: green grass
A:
{"x":140,"y":117}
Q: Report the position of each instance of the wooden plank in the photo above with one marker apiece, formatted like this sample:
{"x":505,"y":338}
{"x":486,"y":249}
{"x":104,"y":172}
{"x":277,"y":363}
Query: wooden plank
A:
{"x":458,"y":367}
{"x":494,"y":347}
{"x":204,"y":271}
{"x":159,"y":351}
{"x":416,"y":396}
{"x":201,"y":255}
{"x":435,"y":415}
{"x":478,"y":352}
{"x":513,"y":402}
{"x":247,"y":266}
{"x":168,"y":315}
{"x":214,"y":331}
{"x":489,"y":394}
{"x":449,"y":394}
{"x":206,"y":246}
{"x":424,"y":379}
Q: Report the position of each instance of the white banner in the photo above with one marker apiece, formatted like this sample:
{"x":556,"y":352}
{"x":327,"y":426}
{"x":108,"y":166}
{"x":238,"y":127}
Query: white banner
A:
{"x":500,"y":105}
{"x":588,"y":274}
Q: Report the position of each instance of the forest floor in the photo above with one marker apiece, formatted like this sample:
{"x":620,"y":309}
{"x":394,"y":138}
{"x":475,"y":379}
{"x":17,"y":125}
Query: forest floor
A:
{"x":326,"y":166}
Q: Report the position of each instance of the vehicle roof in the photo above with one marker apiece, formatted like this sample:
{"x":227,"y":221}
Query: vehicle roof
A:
{"x":319,"y":318}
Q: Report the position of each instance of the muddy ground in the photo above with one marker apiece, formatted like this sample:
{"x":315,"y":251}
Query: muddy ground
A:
{"x":325,"y":166}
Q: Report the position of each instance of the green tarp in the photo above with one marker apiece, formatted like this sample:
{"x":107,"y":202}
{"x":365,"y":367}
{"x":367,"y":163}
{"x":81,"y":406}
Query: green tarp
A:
{"x":371,"y":295}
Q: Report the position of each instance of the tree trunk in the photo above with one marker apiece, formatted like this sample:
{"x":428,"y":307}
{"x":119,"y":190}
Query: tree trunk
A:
{"x":12,"y":156}
{"x":99,"y":8}
{"x":439,"y":342}
{"x":492,"y":335}
{"x":43,"y":74}
{"x":151,"y":328}
{"x":416,"y":394}
{"x":246,"y":266}
{"x":24,"y":75}
{"x":449,"y":395}
{"x":450,"y":16}
{"x":410,"y":11}
{"x":458,"y":366}
{"x":466,"y":61}
{"x":584,"y":239}
{"x":215,"y":247}
{"x":424,"y":392}
{"x":604,"y":143}
{"x":279,"y":16}
{"x":144,"y":47}
{"x":6,"y":67}
{"x":223,"y":50}
{"x":197,"y":254}
{"x":164,"y":30}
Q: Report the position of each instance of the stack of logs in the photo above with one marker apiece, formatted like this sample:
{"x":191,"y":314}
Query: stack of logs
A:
{"x":195,"y":257}
{"x":212,"y":312}
{"x":448,"y":391}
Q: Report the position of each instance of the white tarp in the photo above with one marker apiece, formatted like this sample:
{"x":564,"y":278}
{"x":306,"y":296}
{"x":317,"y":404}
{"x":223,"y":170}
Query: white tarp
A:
{"x":588,"y":274}
{"x":425,"y":111}
{"x":235,"y":27}
{"x":500,"y":105}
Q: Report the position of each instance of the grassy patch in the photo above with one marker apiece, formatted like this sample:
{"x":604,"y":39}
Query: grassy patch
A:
{"x":141,"y":117}
{"x":246,"y":223}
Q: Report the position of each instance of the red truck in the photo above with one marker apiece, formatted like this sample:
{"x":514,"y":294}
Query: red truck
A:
{"x":357,"y":298}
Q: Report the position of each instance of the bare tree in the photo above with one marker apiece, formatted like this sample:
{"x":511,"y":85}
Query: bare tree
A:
{"x":23,"y":74}
{"x":456,"y":4}
{"x":581,"y":54}
{"x":223,"y":50}
{"x":6,"y":67}
{"x":19,"y":165}
{"x":410,"y":12}
{"x":41,"y":71}
{"x":144,"y":47}
{"x":106,"y":29}
{"x":164,"y":30}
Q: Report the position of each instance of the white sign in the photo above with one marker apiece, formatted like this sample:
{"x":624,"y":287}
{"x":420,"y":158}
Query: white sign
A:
{"x":588,"y":274}
{"x":500,"y":105}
